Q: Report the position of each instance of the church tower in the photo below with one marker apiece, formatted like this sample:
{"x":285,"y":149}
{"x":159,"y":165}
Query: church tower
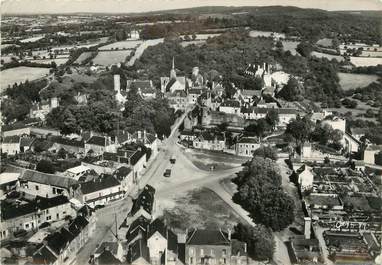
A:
{"x":173,"y":72}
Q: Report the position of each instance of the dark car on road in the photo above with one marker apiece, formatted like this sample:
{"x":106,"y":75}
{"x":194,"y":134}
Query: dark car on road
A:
{"x":167,"y":173}
{"x":20,"y":233}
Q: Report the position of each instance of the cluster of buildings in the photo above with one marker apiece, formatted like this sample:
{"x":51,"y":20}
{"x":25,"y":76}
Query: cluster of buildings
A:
{"x":144,"y":239}
{"x":342,"y":205}
{"x":106,"y":169}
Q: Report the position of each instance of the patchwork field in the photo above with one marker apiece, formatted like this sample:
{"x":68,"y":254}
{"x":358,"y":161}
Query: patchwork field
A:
{"x":328,"y":56}
{"x":127,"y":44}
{"x":83,"y":57}
{"x":325,"y":42}
{"x":258,"y":33}
{"x":107,"y":58}
{"x":365,"y":61}
{"x":353,"y":81}
{"x":58,"y":61}
{"x":32,"y":39}
{"x":20,"y":74}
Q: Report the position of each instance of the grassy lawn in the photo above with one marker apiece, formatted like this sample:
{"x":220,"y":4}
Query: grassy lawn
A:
{"x":107,"y":58}
{"x":199,"y":208}
{"x":353,"y":81}
{"x":20,"y":74}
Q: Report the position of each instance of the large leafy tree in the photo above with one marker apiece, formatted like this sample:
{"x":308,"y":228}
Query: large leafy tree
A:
{"x":266,"y":152}
{"x":260,"y":193}
{"x":291,"y":91}
{"x":272,"y":118}
{"x":259,"y":239}
{"x":299,"y":129}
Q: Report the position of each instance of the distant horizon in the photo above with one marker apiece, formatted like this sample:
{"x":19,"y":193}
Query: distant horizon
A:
{"x":67,"y":7}
{"x":166,"y":10}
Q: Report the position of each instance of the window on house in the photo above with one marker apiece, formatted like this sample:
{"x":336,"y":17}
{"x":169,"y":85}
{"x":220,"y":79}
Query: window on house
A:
{"x":48,"y":218}
{"x":201,"y":252}
{"x":58,"y":216}
{"x":27,"y":226}
{"x":212,"y":252}
{"x":191,"y":261}
{"x":36,"y":187}
{"x":54,"y":190}
{"x":47,"y":210}
{"x":224,"y":252}
{"x":191,"y":251}
{"x":224,"y":260}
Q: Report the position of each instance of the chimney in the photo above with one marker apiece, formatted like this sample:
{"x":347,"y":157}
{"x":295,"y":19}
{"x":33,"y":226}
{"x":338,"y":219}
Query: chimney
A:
{"x":117,"y":83}
{"x":307,"y":227}
{"x":139,"y":134}
{"x":264,"y":66}
{"x":229,"y":234}
{"x":144,"y":134}
{"x":245,"y":248}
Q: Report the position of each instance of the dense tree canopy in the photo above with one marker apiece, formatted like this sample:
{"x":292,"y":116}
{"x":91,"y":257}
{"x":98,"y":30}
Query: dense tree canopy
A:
{"x":266,"y":151}
{"x":260,"y":193}
{"x":259,"y":240}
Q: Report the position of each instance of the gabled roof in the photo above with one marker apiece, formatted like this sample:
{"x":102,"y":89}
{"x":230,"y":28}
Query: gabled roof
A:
{"x":248,"y":140}
{"x":44,"y":255}
{"x":48,"y":179}
{"x":11,"y":210}
{"x":210,"y":136}
{"x":107,"y":257}
{"x":137,"y":250}
{"x":207,"y":237}
{"x":231,"y":103}
{"x":59,"y":240}
{"x":7,"y":177}
{"x":196,"y":91}
{"x":141,"y":83}
{"x":26,"y":141}
{"x":69,"y":142}
{"x":145,"y":200}
{"x":77,"y":225}
{"x":158,"y":226}
{"x":15,"y":139}
{"x":250,"y":93}
{"x":185,"y":132}
{"x":138,"y":228}
{"x":103,"y":182}
{"x":97,"y":140}
{"x":121,"y":173}
{"x":177,"y":93}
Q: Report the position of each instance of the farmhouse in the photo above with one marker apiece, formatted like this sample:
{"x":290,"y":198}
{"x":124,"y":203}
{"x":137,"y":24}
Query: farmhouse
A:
{"x":41,"y":184}
{"x":101,"y":190}
{"x":210,"y":141}
{"x":26,"y":215}
{"x":208,"y":246}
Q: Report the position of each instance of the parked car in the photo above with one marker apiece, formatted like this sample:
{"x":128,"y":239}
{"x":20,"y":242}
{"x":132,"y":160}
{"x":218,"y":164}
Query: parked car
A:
{"x":167,"y":173}
{"x":20,"y":233}
{"x":45,"y":224}
{"x":99,"y":206}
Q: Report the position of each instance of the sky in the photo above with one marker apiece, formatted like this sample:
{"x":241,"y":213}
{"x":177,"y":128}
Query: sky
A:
{"x":127,"y":6}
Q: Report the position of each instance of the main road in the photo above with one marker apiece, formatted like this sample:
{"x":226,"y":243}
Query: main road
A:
{"x":117,"y":211}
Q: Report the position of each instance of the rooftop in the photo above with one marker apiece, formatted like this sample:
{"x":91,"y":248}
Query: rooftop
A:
{"x":97,"y":140}
{"x":103,"y":182}
{"x":13,"y":209}
{"x":48,"y":179}
{"x":207,"y":237}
